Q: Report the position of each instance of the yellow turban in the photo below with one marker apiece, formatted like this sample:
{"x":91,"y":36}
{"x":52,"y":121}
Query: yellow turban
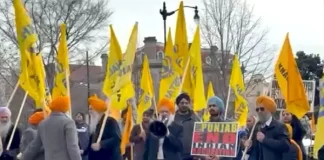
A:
{"x":36,"y":118}
{"x":267,"y":103}
{"x":97,"y":104}
{"x":60,"y":104}
{"x":166,"y":103}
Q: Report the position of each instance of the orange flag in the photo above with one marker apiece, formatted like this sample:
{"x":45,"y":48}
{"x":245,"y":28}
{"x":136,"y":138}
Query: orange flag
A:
{"x":127,"y":130}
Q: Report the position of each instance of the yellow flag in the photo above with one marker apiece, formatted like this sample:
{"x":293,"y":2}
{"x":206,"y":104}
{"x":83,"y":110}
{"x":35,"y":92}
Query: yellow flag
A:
{"x":181,"y":40}
{"x":31,"y":79}
{"x":290,"y":82}
{"x":196,"y":73}
{"x":237,"y":85}
{"x":125,"y":71}
{"x":319,"y":138}
{"x":170,"y":79}
{"x":210,"y":93}
{"x":62,"y":66}
{"x":123,"y":89}
{"x":113,"y":66}
{"x":146,"y":95}
{"x":127,"y":130}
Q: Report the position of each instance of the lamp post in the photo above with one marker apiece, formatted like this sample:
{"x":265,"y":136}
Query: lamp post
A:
{"x":166,"y":14}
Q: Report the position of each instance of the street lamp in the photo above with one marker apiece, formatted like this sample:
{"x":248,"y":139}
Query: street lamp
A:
{"x":166,"y":14}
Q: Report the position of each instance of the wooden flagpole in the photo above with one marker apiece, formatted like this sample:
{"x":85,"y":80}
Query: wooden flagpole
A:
{"x":17,"y":120}
{"x":12,"y":94}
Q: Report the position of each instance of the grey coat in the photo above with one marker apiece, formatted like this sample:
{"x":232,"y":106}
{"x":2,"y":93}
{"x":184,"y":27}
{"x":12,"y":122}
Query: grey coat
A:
{"x":188,"y":123}
{"x":58,"y":135}
{"x":28,"y":136}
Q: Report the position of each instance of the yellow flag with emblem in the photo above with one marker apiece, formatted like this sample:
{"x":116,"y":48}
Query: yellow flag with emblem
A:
{"x":62,"y":66}
{"x":290,"y":81}
{"x":32,"y":77}
{"x":237,"y":84}
{"x":124,"y":89}
{"x":146,"y":88}
{"x":196,"y":73}
{"x":113,"y":64}
{"x":170,"y":81}
{"x":210,"y":93}
{"x":181,"y":40}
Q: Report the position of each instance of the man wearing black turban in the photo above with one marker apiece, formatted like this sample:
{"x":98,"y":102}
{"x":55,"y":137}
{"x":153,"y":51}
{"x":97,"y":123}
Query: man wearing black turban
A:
{"x":186,"y":116}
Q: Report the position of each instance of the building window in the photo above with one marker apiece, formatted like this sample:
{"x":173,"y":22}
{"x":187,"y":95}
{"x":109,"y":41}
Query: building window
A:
{"x":208,"y":60}
{"x":160,"y":55}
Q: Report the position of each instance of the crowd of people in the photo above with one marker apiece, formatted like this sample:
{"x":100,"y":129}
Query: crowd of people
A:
{"x":59,"y":137}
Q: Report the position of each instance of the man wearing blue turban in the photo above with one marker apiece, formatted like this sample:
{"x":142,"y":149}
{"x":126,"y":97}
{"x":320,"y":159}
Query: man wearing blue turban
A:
{"x":216,"y":109}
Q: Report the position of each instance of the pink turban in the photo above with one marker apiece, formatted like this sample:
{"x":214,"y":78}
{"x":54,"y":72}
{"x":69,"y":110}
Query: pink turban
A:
{"x":4,"y":111}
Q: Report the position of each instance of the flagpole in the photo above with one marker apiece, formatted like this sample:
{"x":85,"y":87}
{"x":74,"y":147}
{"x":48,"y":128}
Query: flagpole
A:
{"x":12,"y":94}
{"x":17,"y":120}
{"x":227,"y":101}
{"x":67,"y":81}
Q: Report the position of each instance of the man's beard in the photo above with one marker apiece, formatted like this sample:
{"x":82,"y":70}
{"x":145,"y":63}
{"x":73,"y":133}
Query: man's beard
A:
{"x":94,"y":119}
{"x":4,"y":129}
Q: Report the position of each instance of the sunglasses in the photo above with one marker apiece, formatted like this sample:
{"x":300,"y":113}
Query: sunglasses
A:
{"x":260,"y":109}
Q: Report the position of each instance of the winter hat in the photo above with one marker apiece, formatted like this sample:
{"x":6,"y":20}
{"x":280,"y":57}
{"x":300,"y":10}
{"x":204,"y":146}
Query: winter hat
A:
{"x":36,"y":118}
{"x":267,"y":103}
{"x":5,"y":111}
{"x":60,"y":104}
{"x":166,"y":103}
{"x":216,"y":101}
{"x":97,"y":104}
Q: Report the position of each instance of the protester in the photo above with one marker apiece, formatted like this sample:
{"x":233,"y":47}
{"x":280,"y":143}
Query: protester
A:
{"x":170,"y":146}
{"x":31,"y":132}
{"x":109,"y":146}
{"x":295,"y":152}
{"x":138,"y":134}
{"x":187,"y":118}
{"x":6,"y":130}
{"x":250,"y":121}
{"x":271,"y":140}
{"x":83,"y":133}
{"x":57,"y":134}
{"x":215,"y":107}
{"x":242,"y":137}
{"x":298,"y":131}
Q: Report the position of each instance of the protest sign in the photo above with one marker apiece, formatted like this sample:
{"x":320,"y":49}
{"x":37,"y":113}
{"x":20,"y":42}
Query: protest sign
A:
{"x":215,"y":138}
{"x":276,"y":94}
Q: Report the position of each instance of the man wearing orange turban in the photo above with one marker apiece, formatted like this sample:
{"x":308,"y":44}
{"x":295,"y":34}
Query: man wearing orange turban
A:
{"x":30,"y":133}
{"x":57,"y":134}
{"x":271,"y":139}
{"x":109,"y":146}
{"x":168,"y":147}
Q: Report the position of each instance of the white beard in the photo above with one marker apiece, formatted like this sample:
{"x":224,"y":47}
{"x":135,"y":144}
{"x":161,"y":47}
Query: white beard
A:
{"x":94,"y":119}
{"x":4,"y":129}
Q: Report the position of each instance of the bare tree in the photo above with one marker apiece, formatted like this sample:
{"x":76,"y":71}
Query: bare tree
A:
{"x":85,"y":20}
{"x":232,"y":27}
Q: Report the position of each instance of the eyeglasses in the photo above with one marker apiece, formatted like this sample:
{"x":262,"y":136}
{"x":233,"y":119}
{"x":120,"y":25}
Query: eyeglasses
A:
{"x":260,"y":109}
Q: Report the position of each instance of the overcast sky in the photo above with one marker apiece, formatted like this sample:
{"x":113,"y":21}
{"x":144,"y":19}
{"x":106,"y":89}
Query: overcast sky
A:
{"x":303,"y":19}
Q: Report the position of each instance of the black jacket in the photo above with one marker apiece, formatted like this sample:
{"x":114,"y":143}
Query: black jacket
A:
{"x":110,"y":141}
{"x":274,"y":145}
{"x":172,"y":145}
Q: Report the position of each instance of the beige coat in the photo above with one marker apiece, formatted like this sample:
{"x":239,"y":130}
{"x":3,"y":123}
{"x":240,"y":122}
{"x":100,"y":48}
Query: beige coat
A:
{"x":58,"y":135}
